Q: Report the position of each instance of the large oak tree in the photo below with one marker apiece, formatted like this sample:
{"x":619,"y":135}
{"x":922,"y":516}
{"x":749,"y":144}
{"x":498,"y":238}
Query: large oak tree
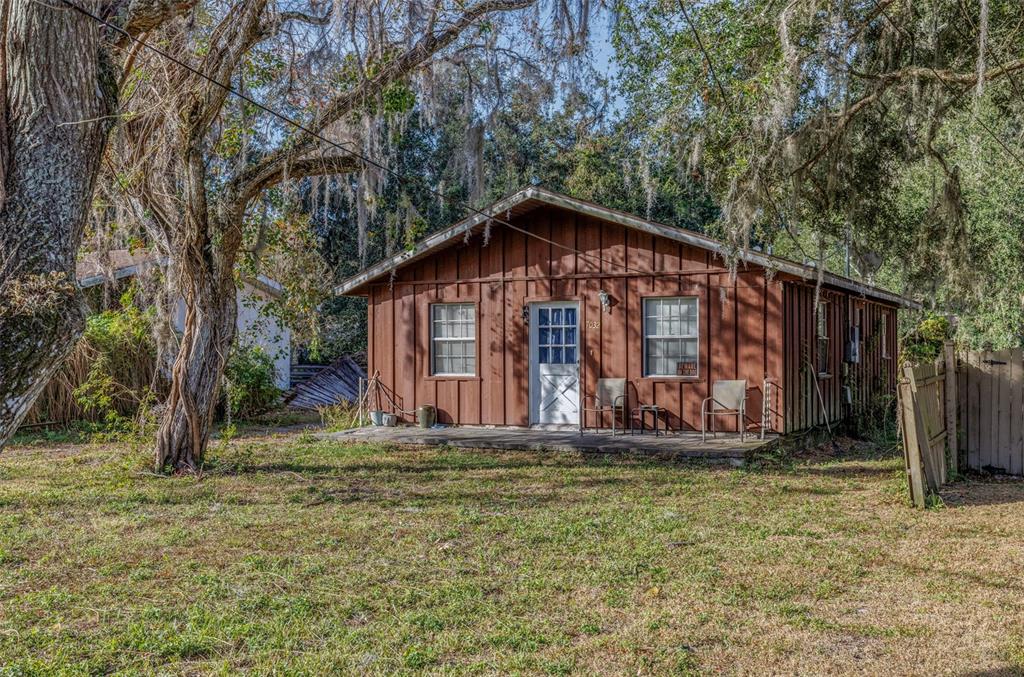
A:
{"x":58,"y":99}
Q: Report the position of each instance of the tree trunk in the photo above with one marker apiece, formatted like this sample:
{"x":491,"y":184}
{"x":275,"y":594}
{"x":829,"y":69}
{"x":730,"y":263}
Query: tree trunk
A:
{"x":57,"y":94}
{"x":210,"y":325}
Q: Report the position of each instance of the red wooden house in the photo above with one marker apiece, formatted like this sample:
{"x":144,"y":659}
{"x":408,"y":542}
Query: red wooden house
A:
{"x":511,"y":326}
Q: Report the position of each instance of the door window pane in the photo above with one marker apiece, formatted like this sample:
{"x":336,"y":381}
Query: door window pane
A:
{"x":557,"y":335}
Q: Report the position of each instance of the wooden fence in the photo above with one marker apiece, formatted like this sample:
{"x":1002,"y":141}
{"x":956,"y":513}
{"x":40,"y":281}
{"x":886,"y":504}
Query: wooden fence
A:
{"x":962,"y":414}
{"x":992,"y":411}
{"x":927,"y":415}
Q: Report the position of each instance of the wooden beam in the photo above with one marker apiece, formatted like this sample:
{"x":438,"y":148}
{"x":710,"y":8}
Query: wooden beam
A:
{"x":951,"y":398}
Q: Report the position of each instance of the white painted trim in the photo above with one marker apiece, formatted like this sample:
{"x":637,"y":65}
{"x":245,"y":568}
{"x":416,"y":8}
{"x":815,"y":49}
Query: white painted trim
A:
{"x":534,"y":337}
{"x":644,"y":337}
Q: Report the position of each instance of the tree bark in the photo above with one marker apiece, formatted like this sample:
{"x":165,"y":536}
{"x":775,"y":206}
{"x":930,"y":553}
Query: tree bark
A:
{"x":58,"y":99}
{"x":210,"y":324}
{"x":59,"y":92}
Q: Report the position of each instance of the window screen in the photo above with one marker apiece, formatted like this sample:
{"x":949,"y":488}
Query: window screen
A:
{"x":670,"y":336}
{"x":453,"y":339}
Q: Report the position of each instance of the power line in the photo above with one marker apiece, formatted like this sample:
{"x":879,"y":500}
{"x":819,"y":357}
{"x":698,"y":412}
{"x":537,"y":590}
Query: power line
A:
{"x":707,"y":58}
{"x":949,"y":87}
{"x":298,"y":125}
{"x":728,"y":104}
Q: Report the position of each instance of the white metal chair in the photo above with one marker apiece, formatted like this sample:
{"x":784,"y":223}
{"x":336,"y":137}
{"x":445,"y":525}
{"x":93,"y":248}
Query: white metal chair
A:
{"x":728,"y":398}
{"x":610,"y":397}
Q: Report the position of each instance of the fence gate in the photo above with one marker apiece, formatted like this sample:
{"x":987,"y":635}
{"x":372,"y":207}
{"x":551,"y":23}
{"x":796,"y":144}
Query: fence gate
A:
{"x":927,"y":416}
{"x":991,"y":385}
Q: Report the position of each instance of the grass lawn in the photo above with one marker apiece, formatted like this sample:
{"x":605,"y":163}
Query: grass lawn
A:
{"x":299,"y":556}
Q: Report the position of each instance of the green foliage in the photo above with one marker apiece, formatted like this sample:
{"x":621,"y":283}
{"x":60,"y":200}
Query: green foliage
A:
{"x":986,"y":293}
{"x":925,"y":343}
{"x":288,"y":253}
{"x":250,"y":388}
{"x":398,"y":97}
{"x":118,"y":347}
{"x":919,"y":178}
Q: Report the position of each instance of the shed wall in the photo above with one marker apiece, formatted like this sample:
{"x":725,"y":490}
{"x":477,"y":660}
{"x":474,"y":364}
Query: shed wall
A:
{"x":503,"y":270}
{"x":812,"y":399}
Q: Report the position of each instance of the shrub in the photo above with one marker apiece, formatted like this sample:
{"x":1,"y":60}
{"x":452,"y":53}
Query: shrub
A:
{"x":109,"y":377}
{"x":250,"y":388}
{"x":925,"y":343}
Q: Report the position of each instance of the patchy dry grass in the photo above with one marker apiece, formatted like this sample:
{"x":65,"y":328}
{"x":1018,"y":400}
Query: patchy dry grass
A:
{"x":299,"y":556}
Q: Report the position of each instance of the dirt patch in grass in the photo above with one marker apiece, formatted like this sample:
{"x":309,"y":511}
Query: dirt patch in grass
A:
{"x":301,"y":556}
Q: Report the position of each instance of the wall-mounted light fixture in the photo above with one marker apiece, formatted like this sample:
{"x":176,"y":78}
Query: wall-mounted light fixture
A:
{"x":606,"y":301}
{"x":526,"y":314}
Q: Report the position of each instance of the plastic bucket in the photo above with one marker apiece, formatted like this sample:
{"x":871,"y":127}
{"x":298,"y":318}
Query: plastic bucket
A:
{"x":389,"y":420}
{"x":377,"y":417}
{"x":426,"y":416}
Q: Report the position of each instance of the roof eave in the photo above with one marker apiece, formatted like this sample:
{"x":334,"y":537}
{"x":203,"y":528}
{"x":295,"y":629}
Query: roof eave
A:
{"x":355,"y":285}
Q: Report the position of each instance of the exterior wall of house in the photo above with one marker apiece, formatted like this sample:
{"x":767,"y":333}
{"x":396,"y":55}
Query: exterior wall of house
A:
{"x":811,"y":397}
{"x":255,"y":328}
{"x":740,"y":327}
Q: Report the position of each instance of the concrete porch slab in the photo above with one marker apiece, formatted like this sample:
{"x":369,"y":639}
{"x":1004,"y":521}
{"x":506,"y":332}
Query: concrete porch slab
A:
{"x":726,"y":448}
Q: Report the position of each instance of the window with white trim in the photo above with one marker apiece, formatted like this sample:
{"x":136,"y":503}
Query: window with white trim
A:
{"x":453,"y":339}
{"x":823,"y":339}
{"x":671,"y":336}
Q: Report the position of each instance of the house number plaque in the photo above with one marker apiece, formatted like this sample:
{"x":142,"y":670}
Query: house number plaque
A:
{"x":593,"y":324}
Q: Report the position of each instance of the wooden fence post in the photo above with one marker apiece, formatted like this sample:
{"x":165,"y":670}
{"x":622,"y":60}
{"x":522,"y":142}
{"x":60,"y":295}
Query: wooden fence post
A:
{"x":951,"y":407}
{"x":911,"y":447}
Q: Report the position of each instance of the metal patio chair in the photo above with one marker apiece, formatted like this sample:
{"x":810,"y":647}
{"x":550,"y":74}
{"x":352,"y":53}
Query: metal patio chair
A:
{"x":728,"y":398}
{"x":610,"y":397}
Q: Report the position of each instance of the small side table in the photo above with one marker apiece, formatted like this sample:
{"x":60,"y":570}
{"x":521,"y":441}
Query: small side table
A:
{"x":642,"y":412}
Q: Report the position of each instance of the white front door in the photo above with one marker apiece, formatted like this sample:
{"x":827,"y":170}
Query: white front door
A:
{"x":554,"y":363}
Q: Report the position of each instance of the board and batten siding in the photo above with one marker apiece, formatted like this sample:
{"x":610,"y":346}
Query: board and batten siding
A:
{"x":811,"y":399}
{"x":501,"y":271}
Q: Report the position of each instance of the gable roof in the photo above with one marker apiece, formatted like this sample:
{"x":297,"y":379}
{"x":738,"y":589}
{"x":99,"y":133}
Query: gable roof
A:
{"x":530,"y":198}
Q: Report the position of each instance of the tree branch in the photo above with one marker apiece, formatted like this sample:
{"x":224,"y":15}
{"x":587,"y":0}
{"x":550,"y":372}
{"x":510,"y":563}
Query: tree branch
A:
{"x":949,"y":76}
{"x":230,"y":41}
{"x":246,"y":183}
{"x":300,"y":168}
{"x":143,"y":16}
{"x":886,"y":81}
{"x":276,"y":21}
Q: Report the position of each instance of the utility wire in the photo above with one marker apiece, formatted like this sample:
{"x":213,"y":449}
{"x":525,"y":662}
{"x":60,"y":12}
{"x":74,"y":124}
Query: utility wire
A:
{"x":700,"y":45}
{"x":950,"y":87}
{"x":728,"y":104}
{"x":298,"y":125}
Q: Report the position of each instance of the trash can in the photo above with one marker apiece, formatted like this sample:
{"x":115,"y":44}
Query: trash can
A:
{"x":426,"y":415}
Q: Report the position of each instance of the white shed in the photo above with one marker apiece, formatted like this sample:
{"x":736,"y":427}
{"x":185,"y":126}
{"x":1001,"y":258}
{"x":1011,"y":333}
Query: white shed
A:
{"x":254,"y":326}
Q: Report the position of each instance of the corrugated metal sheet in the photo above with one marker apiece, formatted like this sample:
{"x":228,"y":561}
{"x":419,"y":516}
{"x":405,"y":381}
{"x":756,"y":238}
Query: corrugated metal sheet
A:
{"x":335,"y":384}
